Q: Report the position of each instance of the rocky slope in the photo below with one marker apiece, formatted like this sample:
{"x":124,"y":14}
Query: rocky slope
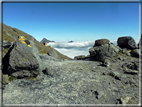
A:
{"x":11,"y":34}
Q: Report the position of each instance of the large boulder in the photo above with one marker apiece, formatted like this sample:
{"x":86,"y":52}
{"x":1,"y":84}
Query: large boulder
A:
{"x":126,"y":42}
{"x":22,"y":59}
{"x":100,"y":53}
{"x":100,"y":42}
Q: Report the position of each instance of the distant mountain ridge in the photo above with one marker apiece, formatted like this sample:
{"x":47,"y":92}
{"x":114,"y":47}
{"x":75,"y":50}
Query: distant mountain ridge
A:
{"x":44,"y":40}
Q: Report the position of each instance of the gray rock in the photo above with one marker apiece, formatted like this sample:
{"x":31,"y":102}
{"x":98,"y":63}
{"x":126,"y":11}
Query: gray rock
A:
{"x":128,"y":53}
{"x":135,"y":52}
{"x":6,"y":44}
{"x":22,"y":60}
{"x":100,"y":42}
{"x":124,"y":50}
{"x":106,"y":63}
{"x":5,"y":79}
{"x":100,"y":53}
{"x":115,"y":74}
{"x":126,"y":100}
{"x":121,"y":58}
{"x":44,"y":57}
{"x":53,"y":53}
{"x":129,"y":71}
{"x":132,"y":65}
{"x":79,"y":57}
{"x":50,"y":71}
{"x":126,"y":42}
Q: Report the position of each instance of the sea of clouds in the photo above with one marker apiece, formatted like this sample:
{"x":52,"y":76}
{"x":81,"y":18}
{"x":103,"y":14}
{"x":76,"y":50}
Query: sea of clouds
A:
{"x":75,"y":48}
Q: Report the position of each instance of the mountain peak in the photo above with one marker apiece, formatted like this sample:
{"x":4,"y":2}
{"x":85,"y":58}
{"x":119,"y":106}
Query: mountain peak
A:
{"x":44,"y":40}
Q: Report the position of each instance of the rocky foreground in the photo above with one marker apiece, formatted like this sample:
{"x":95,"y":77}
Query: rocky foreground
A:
{"x":109,"y":75}
{"x":77,"y":82}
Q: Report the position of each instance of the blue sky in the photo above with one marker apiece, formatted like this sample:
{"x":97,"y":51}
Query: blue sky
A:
{"x":74,"y":21}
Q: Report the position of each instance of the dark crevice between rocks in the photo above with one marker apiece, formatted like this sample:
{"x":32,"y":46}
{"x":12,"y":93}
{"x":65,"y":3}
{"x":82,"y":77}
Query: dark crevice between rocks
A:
{"x":5,"y":61}
{"x":108,"y":47}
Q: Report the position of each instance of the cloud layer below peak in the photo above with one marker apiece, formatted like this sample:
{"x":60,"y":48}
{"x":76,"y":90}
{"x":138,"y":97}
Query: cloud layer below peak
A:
{"x":74,"y":48}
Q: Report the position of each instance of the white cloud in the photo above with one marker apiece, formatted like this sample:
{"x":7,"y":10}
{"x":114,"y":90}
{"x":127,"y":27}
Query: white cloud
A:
{"x":72,"y":52}
{"x":78,"y":44}
{"x":75,"y":48}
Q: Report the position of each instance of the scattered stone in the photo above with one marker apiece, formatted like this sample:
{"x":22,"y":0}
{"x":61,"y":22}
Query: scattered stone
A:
{"x":132,"y":65}
{"x":105,"y":63}
{"x":129,"y":71}
{"x":115,"y":74}
{"x":126,"y":42}
{"x":125,"y":100}
{"x":100,"y":42}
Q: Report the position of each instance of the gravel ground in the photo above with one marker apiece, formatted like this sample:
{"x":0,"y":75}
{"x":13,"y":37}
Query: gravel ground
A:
{"x":75,"y":82}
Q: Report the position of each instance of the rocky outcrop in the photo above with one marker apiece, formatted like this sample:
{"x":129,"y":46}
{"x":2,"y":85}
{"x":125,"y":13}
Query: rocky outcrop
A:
{"x":100,"y":42}
{"x":100,"y":53}
{"x":44,"y":40}
{"x":22,"y":59}
{"x":126,"y":42}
